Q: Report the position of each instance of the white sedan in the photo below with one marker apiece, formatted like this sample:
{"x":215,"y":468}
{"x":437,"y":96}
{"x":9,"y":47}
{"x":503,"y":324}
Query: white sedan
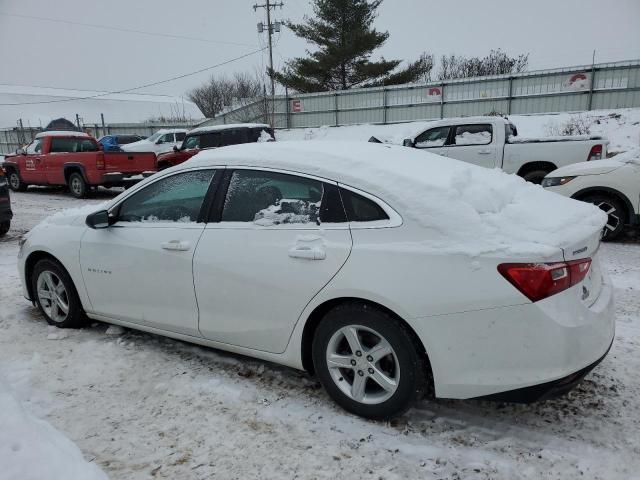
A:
{"x":613,"y":185}
{"x":160,"y":142}
{"x":387,"y":272}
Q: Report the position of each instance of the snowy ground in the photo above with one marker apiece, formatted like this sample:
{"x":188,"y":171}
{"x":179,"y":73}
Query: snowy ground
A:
{"x":141,"y":406}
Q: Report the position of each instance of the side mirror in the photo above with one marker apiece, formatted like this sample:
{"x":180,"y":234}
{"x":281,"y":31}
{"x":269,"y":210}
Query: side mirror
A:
{"x":20,"y":151}
{"x":175,"y":148}
{"x":407,"y":142}
{"x":98,"y":220}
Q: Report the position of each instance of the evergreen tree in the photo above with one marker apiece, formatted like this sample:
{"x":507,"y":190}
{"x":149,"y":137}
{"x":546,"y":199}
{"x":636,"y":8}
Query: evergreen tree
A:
{"x":343,"y":34}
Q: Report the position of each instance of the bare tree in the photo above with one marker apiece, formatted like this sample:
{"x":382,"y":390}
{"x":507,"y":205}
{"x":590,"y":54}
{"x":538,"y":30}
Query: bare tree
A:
{"x":496,"y":63}
{"x":223,"y":91}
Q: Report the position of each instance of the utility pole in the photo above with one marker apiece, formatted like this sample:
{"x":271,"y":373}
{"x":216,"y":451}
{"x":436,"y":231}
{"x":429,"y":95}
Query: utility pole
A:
{"x":271,"y":27}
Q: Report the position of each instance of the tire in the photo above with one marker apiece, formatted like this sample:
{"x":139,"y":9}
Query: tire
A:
{"x":15,"y":182}
{"x":4,"y":227}
{"x":615,"y":212}
{"x":403,"y":369}
{"x":50,"y":279}
{"x":535,"y":176}
{"x":77,"y":186}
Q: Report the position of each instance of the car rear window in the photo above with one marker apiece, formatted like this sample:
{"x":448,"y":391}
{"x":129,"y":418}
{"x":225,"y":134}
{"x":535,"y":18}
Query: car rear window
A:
{"x":361,"y":209}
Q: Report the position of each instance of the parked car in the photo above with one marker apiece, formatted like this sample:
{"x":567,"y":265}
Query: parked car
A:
{"x":213,"y":137}
{"x":160,"y":142}
{"x":387,"y":272}
{"x":5,"y":205}
{"x":493,"y":142}
{"x":113,"y":143}
{"x":76,"y":160}
{"x":613,"y":185}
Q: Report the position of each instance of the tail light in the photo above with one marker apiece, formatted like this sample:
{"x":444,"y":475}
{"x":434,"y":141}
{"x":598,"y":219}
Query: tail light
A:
{"x":595,"y":153}
{"x":541,"y":280}
{"x":100,"y":161}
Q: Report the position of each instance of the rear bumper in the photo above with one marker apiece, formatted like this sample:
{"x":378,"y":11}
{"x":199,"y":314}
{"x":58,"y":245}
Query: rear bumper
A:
{"x":548,"y":346}
{"x":5,"y":210}
{"x":545,"y":391}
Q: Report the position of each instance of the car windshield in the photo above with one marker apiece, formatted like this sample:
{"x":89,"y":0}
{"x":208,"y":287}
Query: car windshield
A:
{"x":154,"y":137}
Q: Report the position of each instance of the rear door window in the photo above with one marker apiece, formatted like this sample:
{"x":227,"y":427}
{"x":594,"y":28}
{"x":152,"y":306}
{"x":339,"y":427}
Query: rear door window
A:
{"x":234,"y":136}
{"x":270,"y":198}
{"x":180,"y":136}
{"x":479,"y":134}
{"x":211,"y":140}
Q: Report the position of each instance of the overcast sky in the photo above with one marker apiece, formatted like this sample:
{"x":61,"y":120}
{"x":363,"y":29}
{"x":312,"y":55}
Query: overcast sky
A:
{"x":45,"y":53}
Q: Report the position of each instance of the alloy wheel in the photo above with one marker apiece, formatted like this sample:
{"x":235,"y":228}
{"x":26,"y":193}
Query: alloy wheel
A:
{"x":53,"y":296}
{"x":613,"y":217}
{"x":14,"y":181}
{"x":363,"y":364}
{"x":76,"y":186}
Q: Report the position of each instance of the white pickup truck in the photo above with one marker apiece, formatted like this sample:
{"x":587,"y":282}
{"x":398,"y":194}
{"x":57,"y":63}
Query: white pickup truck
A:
{"x":493,"y":142}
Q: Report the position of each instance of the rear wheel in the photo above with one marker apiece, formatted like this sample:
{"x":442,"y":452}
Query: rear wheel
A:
{"x":616,"y":215}
{"x":368,"y":362}
{"x":77,"y":186}
{"x":55,"y":295}
{"x":4,"y":227}
{"x":15,"y":182}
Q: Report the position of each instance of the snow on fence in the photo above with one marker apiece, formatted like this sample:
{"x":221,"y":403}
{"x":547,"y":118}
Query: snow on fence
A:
{"x":571,"y":89}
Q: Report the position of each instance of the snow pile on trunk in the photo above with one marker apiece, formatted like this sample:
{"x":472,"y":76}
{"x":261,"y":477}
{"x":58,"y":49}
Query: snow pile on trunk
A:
{"x":632,"y":156}
{"x":463,"y":208}
{"x":31,"y":449}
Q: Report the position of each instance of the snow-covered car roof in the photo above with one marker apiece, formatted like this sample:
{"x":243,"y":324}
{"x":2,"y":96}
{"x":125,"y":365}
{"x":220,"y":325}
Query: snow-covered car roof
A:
{"x":171,"y":130}
{"x":468,"y":209}
{"x":62,"y":133}
{"x":228,"y":126}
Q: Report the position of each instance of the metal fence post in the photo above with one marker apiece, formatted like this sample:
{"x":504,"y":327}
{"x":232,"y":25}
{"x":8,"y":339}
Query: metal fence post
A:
{"x":510,"y":95}
{"x":102,"y":120}
{"x":442,"y":100}
{"x":335,"y":106}
{"x":384,"y":105}
{"x":591,"y":83}
{"x":288,"y":107}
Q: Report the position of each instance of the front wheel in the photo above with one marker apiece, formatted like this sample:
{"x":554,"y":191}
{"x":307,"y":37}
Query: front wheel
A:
{"x":368,"y":362}
{"x":77,"y":186}
{"x":56,"y":296}
{"x":15,"y":182}
{"x":616,"y":216}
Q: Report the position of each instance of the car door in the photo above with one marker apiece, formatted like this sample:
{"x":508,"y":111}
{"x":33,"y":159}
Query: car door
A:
{"x":473,"y":143}
{"x":433,"y":140}
{"x":140,"y":268}
{"x":278,"y":240}
{"x":34,"y":170}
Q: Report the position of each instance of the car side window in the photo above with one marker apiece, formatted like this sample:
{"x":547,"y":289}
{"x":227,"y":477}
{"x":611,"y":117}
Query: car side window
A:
{"x":180,"y":136}
{"x":177,"y":198}
{"x":35,"y":147}
{"x":234,"y":136}
{"x":434,"y":137}
{"x":211,"y":140}
{"x":192,"y":142}
{"x":479,"y":134}
{"x":270,"y":198}
{"x":361,"y":209}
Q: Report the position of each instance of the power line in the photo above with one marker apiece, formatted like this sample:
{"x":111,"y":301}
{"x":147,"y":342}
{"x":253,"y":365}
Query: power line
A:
{"x":127,"y":30}
{"x":178,"y":77}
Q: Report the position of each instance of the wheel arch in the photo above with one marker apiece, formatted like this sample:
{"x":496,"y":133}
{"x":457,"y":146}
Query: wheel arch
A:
{"x":30,"y":263}
{"x":532,"y":166}
{"x":318,"y":313}
{"x":610,"y":192}
{"x":70,"y":168}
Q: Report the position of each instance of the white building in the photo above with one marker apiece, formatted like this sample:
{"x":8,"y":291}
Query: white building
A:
{"x":37,"y":106}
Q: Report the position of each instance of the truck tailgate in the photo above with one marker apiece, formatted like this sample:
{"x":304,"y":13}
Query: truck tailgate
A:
{"x":130,"y":162}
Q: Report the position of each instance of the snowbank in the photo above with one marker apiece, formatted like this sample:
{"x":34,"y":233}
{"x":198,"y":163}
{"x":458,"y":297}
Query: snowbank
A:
{"x":466,"y":209}
{"x":31,"y":449}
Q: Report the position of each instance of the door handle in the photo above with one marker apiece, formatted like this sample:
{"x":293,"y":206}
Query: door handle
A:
{"x":486,"y":151}
{"x":176,"y":245}
{"x":308,"y":253}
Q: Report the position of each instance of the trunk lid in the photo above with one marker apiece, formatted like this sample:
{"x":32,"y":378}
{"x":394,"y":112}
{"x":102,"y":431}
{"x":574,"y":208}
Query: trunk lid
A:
{"x":587,"y":247}
{"x":130,"y":162}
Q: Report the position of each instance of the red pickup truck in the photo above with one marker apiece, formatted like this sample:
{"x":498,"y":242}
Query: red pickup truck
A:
{"x":75,"y":159}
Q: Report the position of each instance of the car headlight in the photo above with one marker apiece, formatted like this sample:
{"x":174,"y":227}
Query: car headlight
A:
{"x":556,"y":181}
